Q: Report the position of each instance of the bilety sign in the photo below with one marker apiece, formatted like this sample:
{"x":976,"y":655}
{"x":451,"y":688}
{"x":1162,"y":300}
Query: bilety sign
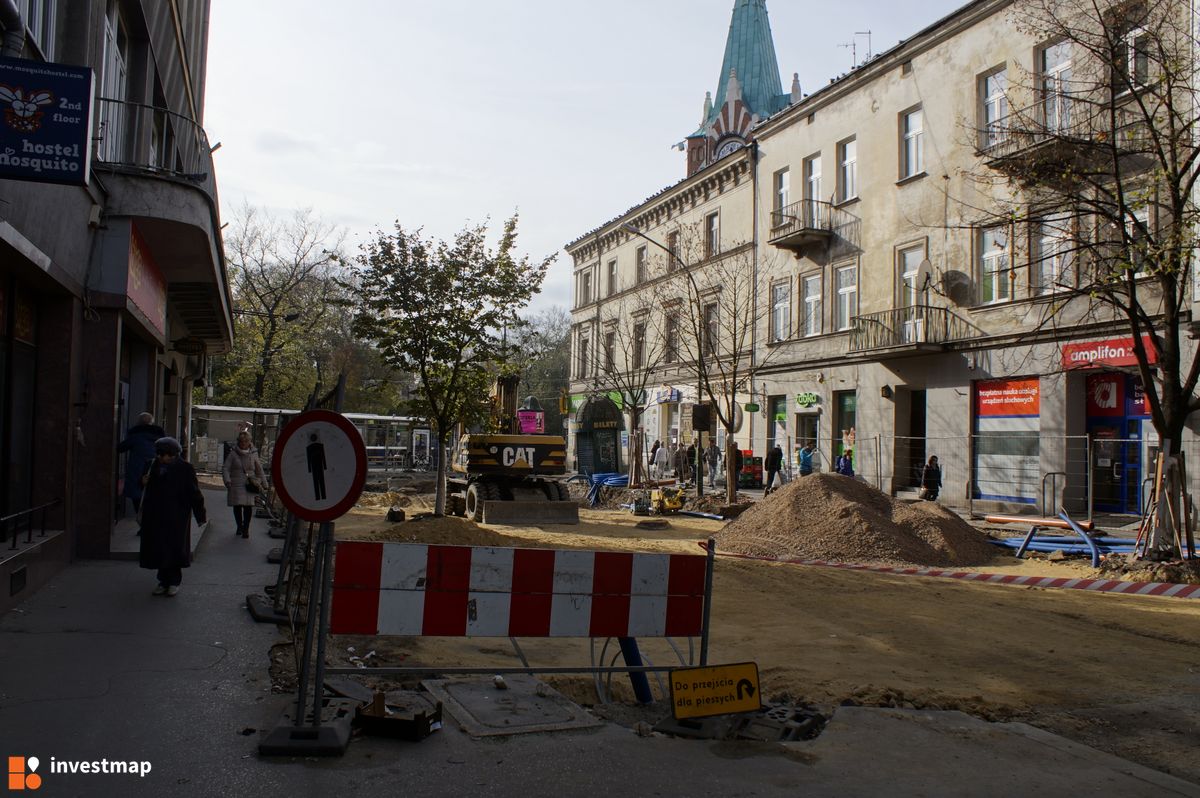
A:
{"x":45,"y":133}
{"x":1109,"y":352}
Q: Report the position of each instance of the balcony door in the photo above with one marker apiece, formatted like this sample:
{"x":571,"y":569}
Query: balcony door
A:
{"x":113,"y":85}
{"x":912,"y":299}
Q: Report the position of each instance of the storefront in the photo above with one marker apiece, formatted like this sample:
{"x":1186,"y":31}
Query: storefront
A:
{"x":598,"y":436}
{"x":1123,"y":440}
{"x":1007,"y":442}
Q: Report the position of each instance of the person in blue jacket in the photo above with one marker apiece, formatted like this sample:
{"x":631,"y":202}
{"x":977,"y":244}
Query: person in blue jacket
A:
{"x":845,"y":463}
{"x":139,"y":443}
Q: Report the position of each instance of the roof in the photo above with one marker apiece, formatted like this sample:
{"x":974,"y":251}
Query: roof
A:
{"x":750,"y":49}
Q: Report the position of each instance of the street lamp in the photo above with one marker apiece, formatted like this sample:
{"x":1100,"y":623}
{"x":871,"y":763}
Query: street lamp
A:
{"x":700,"y":369}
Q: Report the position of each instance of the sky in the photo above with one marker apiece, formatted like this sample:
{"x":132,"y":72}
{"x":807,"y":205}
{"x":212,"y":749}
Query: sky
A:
{"x":441,"y":114}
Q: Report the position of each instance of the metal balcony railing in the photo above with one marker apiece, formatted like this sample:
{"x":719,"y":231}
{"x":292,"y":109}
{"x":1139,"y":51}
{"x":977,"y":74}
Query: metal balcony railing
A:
{"x":1058,"y":120}
{"x":153,"y":140}
{"x":806,"y":222}
{"x":915,"y":327}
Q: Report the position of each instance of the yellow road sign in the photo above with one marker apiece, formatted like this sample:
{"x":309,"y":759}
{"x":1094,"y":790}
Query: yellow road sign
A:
{"x":718,"y":690}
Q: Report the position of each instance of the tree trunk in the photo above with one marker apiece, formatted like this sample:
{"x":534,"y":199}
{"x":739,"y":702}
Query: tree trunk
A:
{"x":439,"y":504}
{"x":731,"y":475}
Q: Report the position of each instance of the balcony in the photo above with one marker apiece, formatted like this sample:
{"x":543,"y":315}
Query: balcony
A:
{"x":141,"y":138}
{"x":912,"y":330}
{"x":805,"y":223}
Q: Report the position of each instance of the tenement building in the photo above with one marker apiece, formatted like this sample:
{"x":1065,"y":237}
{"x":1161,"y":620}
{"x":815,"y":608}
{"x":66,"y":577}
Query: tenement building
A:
{"x":112,"y":279}
{"x":918,"y":289}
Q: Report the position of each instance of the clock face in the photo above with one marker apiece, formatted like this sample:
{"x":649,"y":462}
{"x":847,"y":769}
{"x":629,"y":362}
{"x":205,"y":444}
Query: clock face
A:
{"x":730,"y":146}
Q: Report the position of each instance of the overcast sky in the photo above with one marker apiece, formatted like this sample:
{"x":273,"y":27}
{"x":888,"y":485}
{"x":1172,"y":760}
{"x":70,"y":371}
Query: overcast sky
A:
{"x":436,"y":114}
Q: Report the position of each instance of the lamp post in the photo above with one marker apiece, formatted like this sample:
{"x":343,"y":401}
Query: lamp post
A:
{"x":700,"y":369}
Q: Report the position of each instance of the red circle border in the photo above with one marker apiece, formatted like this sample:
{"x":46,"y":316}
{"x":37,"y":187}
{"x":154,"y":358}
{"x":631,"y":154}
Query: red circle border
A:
{"x":360,"y":469}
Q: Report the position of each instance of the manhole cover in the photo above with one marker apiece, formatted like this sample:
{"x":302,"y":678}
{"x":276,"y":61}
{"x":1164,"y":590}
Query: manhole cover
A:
{"x":528,"y":705}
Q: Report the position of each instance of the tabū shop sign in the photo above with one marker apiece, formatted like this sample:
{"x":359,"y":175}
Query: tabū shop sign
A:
{"x":45,"y":133}
{"x":807,"y":399}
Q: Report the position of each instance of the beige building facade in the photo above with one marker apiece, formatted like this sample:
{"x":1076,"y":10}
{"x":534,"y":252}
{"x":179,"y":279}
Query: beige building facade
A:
{"x":899,"y":313}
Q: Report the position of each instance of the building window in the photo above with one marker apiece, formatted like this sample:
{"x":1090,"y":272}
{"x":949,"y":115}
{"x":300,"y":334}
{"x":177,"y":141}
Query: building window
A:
{"x":610,"y":351}
{"x":993,"y":90}
{"x":1053,"y":261}
{"x":39,"y":16}
{"x":640,"y":264}
{"x":583,"y":287}
{"x":671,"y":338}
{"x":710,"y":329}
{"x":811,"y":289}
{"x":612,"y":277}
{"x":995,"y":270}
{"x":673,"y":249}
{"x":1137,"y":229}
{"x":581,"y":363}
{"x":712,"y":234}
{"x":639,"y":345}
{"x":1133,"y":69}
{"x":1056,"y":86}
{"x":781,"y":311}
{"x":847,"y":170}
{"x":782,"y":183}
{"x":908,"y":263}
{"x":912,"y":143}
{"x":812,"y":189}
{"x":114,"y":77}
{"x":846,"y":284}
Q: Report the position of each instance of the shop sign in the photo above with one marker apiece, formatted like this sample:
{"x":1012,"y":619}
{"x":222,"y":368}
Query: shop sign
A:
{"x":807,"y":399}
{"x":1110,"y":352}
{"x":45,"y":136}
{"x":667,"y":395}
{"x":1115,"y":395}
{"x":1019,"y":397}
{"x":752,"y":407}
{"x":146,"y":287}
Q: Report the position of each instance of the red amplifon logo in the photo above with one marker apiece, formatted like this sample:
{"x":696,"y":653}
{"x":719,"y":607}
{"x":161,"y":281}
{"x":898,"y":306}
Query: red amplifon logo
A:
{"x":21,"y":773}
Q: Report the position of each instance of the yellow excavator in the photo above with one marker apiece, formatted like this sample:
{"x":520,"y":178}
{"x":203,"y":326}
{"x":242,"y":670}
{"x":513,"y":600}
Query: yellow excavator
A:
{"x":511,"y":477}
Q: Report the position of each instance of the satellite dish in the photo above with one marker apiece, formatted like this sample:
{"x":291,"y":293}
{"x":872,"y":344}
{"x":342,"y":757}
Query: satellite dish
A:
{"x":924,"y":276}
{"x":739,"y":418}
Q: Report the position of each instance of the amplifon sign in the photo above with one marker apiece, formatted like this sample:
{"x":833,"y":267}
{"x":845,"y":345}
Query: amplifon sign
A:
{"x":1109,"y":352}
{"x":45,"y":122}
{"x":1021,"y":397}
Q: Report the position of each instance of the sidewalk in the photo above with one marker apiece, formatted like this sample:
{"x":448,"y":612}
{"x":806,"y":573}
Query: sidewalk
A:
{"x":93,"y":667}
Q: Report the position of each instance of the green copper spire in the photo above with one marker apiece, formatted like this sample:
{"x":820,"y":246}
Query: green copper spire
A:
{"x":750,"y":50}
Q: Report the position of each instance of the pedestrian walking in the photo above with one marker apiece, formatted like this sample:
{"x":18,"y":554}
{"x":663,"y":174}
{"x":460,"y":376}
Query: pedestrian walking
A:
{"x":650,"y":458}
{"x":931,"y":479}
{"x":774,"y":464}
{"x":243,"y":477}
{"x":713,"y":455}
{"x":139,"y":444}
{"x":738,"y":461}
{"x":171,"y":495}
{"x":690,"y":460}
{"x":661,"y":461}
{"x":845,"y":463}
{"x":806,"y":458}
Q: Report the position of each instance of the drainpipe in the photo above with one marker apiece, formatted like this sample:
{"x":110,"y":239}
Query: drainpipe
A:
{"x":14,"y":29}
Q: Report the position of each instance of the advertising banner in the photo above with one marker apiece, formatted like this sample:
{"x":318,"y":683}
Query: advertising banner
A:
{"x":45,"y":133}
{"x":1007,"y":449}
{"x":531,"y":422}
{"x":1109,"y":352}
{"x":146,"y":287}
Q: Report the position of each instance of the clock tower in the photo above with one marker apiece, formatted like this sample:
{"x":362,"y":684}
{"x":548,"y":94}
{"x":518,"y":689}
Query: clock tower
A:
{"x":748,"y":89}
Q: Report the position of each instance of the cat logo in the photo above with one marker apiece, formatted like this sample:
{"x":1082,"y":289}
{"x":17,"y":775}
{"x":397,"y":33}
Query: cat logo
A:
{"x":517,"y":455}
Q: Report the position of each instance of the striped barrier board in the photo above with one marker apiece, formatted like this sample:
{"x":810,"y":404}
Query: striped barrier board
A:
{"x":407,"y":589}
{"x":1164,"y":589}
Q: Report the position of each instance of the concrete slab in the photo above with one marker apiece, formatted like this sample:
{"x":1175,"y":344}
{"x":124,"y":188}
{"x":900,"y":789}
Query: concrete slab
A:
{"x":526,"y":705}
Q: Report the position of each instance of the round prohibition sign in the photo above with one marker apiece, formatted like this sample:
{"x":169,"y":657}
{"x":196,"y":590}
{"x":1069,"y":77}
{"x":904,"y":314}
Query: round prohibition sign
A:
{"x":319,"y":465}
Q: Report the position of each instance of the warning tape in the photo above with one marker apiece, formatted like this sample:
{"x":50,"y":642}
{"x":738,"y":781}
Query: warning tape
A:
{"x":1164,"y":589}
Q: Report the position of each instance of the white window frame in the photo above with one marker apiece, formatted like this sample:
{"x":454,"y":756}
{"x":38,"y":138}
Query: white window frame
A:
{"x":1142,"y":215}
{"x":41,"y":17}
{"x":711,"y":319}
{"x":612,"y":277}
{"x":782,"y":190}
{"x":1132,"y":55}
{"x":1056,"y":88}
{"x":1054,"y":261}
{"x":811,"y":291}
{"x":640,"y":258}
{"x":712,"y":234}
{"x":848,"y":169}
{"x":581,"y":353}
{"x":996,"y":262}
{"x":610,"y":350}
{"x":781,"y":311}
{"x":812,"y":189}
{"x":847,"y":297}
{"x":993,"y":92}
{"x":908,"y":264}
{"x":583,"y":287}
{"x":912,"y":143}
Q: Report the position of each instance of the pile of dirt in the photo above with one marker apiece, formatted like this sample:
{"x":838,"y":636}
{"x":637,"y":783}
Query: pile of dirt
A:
{"x":387,"y":499}
{"x":1118,"y":566}
{"x":831,"y":517}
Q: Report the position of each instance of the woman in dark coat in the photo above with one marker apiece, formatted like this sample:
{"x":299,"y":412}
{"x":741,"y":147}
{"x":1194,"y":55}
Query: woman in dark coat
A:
{"x":139,"y":442}
{"x":172,"y":494}
{"x":931,"y":480}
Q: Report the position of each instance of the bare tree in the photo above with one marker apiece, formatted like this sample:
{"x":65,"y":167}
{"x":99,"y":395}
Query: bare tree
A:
{"x":1099,"y":154}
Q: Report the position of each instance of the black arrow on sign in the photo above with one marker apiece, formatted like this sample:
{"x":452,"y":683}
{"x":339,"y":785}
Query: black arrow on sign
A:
{"x":748,"y":686}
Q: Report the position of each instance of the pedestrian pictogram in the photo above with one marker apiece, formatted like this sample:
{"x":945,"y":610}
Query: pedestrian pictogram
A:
{"x":319,"y":465}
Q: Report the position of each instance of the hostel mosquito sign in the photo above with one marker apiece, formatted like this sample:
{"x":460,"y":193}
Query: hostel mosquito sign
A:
{"x":319,"y":465}
{"x":45,"y":122}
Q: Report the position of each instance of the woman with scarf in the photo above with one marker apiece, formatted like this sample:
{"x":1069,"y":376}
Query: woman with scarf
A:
{"x":242,"y":468}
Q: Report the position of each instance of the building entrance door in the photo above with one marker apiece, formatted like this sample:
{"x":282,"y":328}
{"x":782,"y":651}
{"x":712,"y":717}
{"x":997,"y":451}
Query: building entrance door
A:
{"x":1116,"y":416}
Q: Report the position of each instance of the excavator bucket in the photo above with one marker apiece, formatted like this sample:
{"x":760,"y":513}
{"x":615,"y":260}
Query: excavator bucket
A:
{"x":530,"y":512}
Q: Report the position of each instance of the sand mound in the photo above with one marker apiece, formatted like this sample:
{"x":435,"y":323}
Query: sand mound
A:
{"x":831,"y":517}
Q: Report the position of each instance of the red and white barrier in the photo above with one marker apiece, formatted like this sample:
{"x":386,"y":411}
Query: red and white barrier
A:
{"x":418,"y":590}
{"x":1164,"y":589}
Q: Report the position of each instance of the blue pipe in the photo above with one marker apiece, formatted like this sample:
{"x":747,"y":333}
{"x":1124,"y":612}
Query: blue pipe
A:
{"x":633,"y":658}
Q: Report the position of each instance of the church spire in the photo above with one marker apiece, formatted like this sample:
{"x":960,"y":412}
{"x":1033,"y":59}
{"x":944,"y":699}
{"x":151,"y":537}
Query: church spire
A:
{"x":750,"y":55}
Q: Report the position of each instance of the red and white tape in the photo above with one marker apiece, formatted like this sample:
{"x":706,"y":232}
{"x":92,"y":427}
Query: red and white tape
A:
{"x":417,"y":590}
{"x":1164,"y":589}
